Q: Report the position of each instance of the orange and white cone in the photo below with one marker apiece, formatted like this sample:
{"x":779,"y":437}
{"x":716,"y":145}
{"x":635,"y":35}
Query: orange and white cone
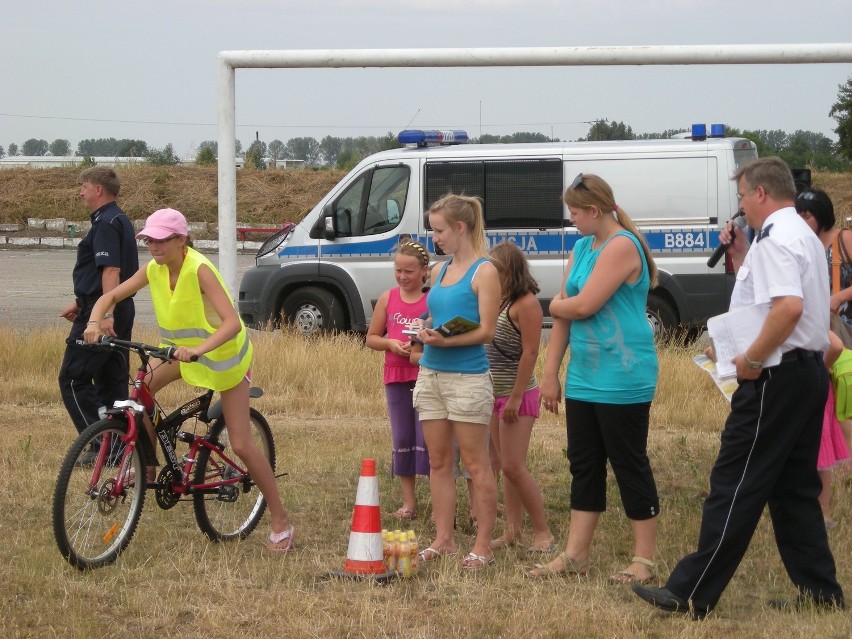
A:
{"x":365,"y":555}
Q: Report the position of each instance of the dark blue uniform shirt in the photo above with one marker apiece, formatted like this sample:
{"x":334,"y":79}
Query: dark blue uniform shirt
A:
{"x":110,"y":242}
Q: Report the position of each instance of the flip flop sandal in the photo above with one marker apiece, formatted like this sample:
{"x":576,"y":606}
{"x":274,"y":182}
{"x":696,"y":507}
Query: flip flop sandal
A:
{"x":623,"y":577}
{"x":502,"y":542}
{"x":473,"y":561}
{"x":539,"y":550}
{"x":569,"y":567}
{"x":428,"y":554}
{"x":281,"y":542}
{"x":533,"y":550}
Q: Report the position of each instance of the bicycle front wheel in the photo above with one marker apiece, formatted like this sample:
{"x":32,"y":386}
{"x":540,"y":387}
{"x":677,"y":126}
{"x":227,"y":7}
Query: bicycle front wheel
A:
{"x":233,"y":510}
{"x":92,"y":521}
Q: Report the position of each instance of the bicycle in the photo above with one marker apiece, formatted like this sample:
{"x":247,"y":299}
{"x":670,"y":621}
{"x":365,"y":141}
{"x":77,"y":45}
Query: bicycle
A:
{"x":96,"y":509}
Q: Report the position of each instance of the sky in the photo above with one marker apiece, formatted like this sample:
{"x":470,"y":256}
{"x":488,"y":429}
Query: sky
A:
{"x":77,"y":69}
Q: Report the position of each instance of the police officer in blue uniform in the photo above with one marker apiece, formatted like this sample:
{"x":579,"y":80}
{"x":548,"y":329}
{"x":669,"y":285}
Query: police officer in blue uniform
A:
{"x":771,"y":438}
{"x":92,"y":379}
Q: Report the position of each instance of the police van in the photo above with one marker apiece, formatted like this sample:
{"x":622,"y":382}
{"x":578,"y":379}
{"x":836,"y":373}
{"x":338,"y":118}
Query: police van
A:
{"x":327,"y":271}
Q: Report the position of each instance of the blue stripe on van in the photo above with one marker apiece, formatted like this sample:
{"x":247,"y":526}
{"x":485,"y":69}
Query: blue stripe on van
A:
{"x":668,"y":240}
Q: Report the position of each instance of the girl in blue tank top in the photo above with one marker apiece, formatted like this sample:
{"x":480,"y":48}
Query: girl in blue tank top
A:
{"x":610,"y":379}
{"x":453,"y":393}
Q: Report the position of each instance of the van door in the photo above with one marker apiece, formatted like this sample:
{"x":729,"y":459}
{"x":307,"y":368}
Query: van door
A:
{"x":522,"y":203}
{"x":360,"y":228}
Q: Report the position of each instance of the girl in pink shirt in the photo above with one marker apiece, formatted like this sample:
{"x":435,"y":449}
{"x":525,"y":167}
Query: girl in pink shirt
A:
{"x":395,"y":311}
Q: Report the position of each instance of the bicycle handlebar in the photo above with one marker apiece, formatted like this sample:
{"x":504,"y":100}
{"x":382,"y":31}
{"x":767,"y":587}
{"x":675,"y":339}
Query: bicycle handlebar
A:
{"x":165,"y":353}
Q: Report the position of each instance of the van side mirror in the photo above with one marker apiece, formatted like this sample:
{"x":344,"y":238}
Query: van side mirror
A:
{"x":329,"y":221}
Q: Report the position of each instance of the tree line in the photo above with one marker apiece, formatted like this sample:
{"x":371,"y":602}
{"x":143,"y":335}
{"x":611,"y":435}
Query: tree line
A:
{"x":800,"y":148}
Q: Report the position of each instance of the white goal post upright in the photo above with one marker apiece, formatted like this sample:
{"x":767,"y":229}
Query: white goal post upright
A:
{"x":668,"y":55}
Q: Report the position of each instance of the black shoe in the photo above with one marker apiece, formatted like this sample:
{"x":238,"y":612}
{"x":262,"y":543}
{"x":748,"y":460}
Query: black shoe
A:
{"x":665,"y":599}
{"x":661,"y":598}
{"x":87,"y":459}
{"x":801,"y":603}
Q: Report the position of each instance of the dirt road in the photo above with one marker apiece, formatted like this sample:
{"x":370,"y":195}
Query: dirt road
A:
{"x":36,"y":284}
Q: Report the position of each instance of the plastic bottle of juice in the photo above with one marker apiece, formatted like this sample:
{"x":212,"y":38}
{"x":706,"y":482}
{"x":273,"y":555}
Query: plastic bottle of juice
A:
{"x":413,"y":550}
{"x":403,"y":565}
{"x":387,"y":550}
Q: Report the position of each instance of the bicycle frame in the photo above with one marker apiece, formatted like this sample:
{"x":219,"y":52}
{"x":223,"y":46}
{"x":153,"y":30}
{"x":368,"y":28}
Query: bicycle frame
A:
{"x":95,"y":513}
{"x":141,"y":401}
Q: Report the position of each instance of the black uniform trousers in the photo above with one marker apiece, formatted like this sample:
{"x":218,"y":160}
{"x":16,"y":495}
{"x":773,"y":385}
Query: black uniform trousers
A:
{"x":768,"y":456}
{"x":92,"y":377}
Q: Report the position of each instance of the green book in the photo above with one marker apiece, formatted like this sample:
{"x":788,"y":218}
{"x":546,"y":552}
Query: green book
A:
{"x":456,"y":326}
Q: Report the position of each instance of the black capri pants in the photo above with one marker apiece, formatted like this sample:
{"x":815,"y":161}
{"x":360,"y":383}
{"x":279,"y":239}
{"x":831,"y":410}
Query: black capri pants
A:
{"x":618,"y":433}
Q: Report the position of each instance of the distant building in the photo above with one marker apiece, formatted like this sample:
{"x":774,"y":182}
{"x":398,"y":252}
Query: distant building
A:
{"x":50,"y":161}
{"x":276,"y":164}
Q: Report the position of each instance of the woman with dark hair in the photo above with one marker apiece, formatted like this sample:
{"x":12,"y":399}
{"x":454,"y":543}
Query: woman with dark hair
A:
{"x":512,"y":356}
{"x":816,"y":209}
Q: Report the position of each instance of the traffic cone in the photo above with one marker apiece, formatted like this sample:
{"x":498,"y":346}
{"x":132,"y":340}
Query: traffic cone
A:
{"x":365,"y":555}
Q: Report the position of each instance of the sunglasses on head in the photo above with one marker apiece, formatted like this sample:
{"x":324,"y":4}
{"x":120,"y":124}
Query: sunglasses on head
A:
{"x":578,"y":182}
{"x":806,"y":195}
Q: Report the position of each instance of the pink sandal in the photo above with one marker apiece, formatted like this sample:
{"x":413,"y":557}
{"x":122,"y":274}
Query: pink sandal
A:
{"x":281,"y":542}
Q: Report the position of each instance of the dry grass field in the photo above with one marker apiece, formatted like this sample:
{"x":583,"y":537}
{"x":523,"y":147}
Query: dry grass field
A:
{"x":325,"y":404}
{"x":263,"y":197}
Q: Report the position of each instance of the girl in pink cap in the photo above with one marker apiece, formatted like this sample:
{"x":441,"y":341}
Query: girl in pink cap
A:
{"x":190,"y":298}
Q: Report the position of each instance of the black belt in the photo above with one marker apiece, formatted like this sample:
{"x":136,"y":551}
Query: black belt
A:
{"x":800,"y":355}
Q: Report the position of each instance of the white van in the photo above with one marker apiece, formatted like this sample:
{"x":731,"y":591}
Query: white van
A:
{"x":327,"y":271}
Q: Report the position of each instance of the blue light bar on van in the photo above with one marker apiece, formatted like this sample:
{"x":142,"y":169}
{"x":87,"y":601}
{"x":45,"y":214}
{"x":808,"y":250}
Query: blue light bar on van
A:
{"x":699,"y":131}
{"x":717,"y":130}
{"x":423,"y":138}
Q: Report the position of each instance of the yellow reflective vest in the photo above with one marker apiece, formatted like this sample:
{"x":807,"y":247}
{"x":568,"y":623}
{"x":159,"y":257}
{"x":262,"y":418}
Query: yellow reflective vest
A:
{"x":186,"y":318}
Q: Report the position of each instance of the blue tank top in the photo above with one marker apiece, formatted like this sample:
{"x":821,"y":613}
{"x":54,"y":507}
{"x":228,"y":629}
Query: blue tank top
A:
{"x":613,"y":357}
{"x":445,"y":303}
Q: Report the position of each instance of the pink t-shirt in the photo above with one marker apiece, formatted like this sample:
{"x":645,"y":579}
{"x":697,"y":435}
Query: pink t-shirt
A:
{"x":400,"y":315}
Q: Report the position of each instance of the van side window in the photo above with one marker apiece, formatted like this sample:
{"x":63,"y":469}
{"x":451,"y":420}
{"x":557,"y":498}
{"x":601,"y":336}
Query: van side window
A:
{"x":347,"y":208}
{"x":374,"y":203}
{"x":515,"y":193}
{"x":386,"y":204}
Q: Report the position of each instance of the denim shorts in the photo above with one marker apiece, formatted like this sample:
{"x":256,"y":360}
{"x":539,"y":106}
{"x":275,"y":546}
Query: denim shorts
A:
{"x":459,"y":397}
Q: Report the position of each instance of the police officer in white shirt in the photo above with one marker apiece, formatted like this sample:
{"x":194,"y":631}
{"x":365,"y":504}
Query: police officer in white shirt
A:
{"x":771,"y":438}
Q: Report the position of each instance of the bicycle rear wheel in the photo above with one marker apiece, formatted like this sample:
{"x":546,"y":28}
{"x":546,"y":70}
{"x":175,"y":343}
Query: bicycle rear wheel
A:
{"x":92,"y":526}
{"x":231,"y":511}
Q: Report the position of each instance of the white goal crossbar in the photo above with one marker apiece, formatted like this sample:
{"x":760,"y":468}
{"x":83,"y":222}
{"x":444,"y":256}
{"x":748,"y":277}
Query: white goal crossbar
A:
{"x":482,"y":57}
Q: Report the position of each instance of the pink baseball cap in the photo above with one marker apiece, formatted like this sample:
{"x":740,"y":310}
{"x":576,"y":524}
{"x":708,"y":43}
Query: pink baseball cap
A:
{"x":164,"y":223}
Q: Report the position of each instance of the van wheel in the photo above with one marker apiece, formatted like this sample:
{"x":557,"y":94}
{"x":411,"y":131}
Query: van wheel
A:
{"x":313,"y":309}
{"x":662,"y":318}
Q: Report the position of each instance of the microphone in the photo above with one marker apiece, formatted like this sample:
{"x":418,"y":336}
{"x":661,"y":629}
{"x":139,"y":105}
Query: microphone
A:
{"x":722,"y":248}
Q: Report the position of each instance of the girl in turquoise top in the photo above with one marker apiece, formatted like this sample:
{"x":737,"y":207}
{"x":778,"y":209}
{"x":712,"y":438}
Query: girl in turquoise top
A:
{"x":453,"y":393}
{"x":611,"y":377}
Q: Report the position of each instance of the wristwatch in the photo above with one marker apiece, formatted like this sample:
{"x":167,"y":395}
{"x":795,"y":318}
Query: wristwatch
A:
{"x":751,"y":363}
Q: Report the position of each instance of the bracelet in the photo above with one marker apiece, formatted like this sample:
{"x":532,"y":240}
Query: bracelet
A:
{"x":752,"y":363}
{"x":92,"y":322}
{"x":106,"y":316}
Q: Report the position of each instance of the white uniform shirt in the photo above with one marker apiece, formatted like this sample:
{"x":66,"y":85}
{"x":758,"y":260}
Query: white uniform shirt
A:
{"x":787,"y":259}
